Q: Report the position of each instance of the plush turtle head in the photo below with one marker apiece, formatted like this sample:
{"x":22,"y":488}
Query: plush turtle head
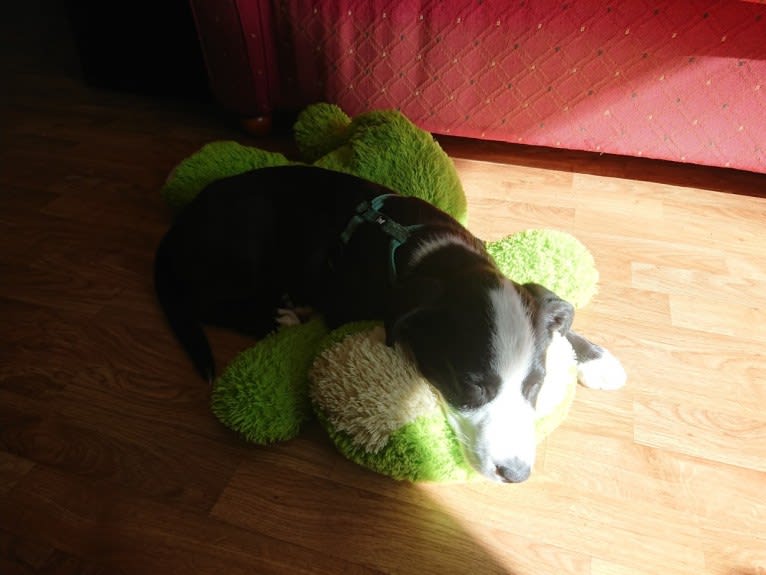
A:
{"x":551,"y":258}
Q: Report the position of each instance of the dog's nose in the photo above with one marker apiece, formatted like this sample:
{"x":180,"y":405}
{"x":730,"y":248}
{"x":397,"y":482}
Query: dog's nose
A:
{"x":513,"y":471}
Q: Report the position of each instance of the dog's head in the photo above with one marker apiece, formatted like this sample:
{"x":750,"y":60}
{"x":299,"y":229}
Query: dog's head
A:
{"x":481,"y":341}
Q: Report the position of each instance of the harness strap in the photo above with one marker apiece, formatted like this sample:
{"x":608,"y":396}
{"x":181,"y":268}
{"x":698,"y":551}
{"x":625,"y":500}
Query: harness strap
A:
{"x":369,"y":212}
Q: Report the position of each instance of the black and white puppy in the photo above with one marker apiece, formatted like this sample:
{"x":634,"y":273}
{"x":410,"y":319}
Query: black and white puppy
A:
{"x":353,"y":250}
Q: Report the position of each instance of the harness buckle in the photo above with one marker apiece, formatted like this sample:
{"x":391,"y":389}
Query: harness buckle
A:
{"x":370,"y":212}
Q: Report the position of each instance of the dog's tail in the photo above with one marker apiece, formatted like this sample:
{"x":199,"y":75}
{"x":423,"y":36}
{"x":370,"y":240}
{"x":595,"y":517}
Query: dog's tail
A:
{"x":187,"y":329}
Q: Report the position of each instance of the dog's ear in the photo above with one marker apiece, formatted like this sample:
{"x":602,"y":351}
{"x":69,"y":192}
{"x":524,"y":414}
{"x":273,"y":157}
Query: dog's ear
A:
{"x":412,"y":299}
{"x":551,"y":313}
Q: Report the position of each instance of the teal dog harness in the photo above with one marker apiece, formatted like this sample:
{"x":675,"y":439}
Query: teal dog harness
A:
{"x":369,"y":212}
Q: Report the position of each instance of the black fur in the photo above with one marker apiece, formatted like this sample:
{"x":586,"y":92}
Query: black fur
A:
{"x":246,"y":241}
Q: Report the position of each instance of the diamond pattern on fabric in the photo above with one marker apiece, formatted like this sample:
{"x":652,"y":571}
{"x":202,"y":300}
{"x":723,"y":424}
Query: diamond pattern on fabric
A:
{"x":682,"y":81}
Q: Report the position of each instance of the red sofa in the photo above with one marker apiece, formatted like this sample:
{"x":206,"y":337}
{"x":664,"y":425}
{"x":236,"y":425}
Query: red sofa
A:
{"x":681,"y":81}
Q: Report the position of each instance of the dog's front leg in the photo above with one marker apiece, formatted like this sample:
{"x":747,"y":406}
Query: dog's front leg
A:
{"x":597,"y":368}
{"x":290,"y":314}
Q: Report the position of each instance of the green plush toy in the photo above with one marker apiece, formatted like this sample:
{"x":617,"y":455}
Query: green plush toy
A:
{"x":270,"y":389}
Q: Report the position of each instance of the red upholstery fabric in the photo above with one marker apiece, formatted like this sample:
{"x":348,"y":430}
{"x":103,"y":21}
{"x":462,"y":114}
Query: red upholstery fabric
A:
{"x":683,"y":81}
{"x":238,"y":43}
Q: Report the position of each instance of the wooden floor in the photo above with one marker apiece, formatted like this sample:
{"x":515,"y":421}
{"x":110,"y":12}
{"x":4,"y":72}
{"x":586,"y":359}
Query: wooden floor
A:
{"x":111,"y":461}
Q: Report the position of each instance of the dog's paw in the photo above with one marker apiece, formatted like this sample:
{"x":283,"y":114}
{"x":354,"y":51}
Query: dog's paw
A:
{"x":605,"y":372}
{"x":287,"y":317}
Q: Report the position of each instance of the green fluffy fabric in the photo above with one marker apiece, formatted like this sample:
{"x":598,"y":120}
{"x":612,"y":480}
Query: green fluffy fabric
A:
{"x":263,"y":393}
{"x":423,"y":450}
{"x":212,"y":162}
{"x":552,"y":258}
{"x":383,"y":146}
{"x":320,"y":129}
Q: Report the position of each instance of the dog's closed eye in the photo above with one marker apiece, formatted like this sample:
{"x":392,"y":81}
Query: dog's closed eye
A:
{"x":532,"y":384}
{"x":464,"y":391}
{"x":472,"y":395}
{"x":477,"y":392}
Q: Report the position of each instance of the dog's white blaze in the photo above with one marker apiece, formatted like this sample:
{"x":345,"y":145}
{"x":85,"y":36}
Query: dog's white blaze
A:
{"x":502,"y":432}
{"x":434,"y":244}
